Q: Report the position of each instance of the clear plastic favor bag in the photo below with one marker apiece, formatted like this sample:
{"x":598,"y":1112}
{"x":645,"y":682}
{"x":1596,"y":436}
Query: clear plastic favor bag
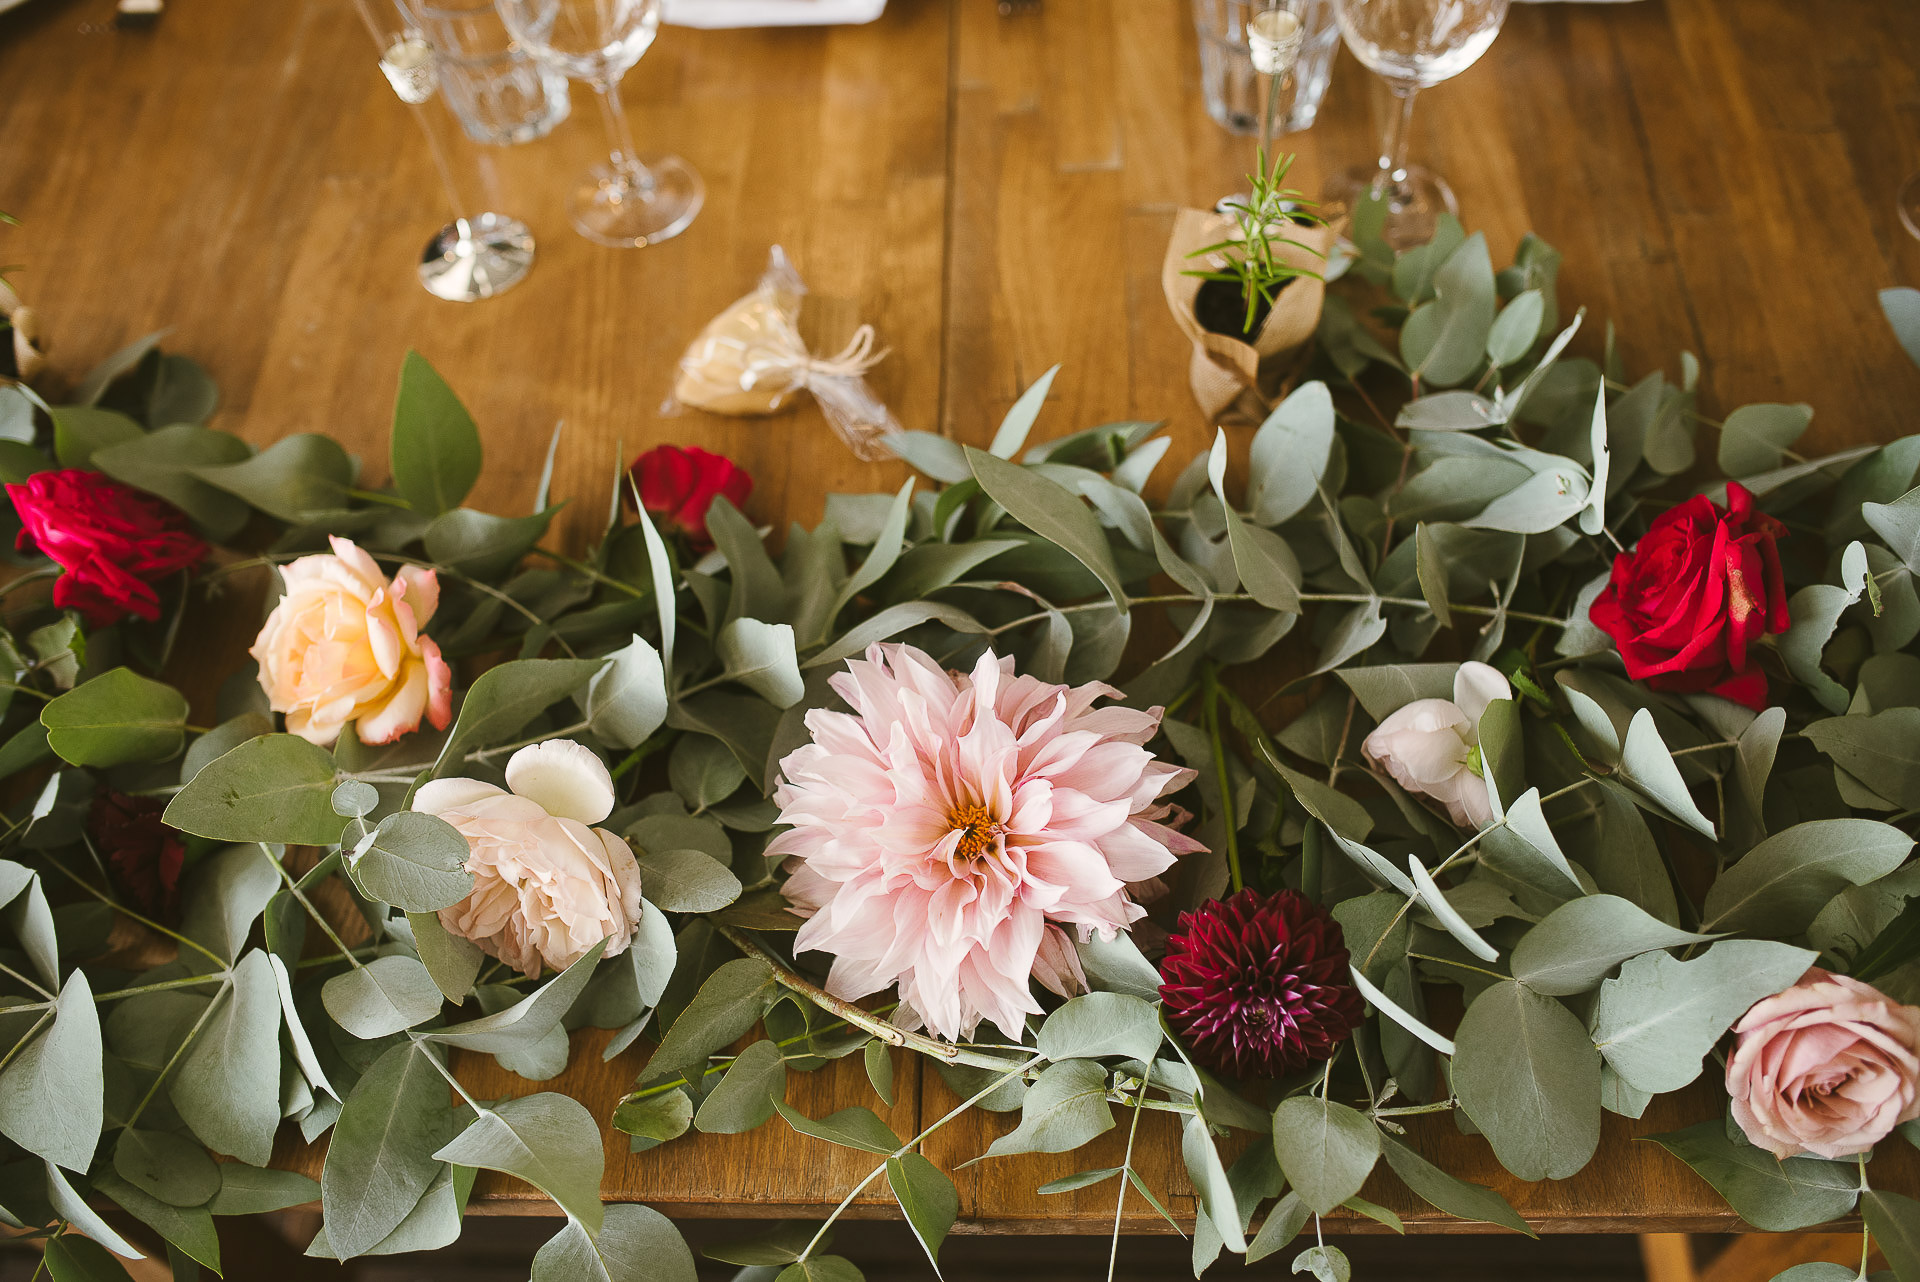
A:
{"x":751,"y":360}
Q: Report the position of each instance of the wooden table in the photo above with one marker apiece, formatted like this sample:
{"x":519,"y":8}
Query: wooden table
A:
{"x":996,"y":194}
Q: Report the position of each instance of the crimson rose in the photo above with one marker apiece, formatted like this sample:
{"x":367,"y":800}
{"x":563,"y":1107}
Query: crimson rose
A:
{"x":114,"y":541}
{"x":145,"y":854}
{"x":678,"y":486}
{"x":1698,"y":589}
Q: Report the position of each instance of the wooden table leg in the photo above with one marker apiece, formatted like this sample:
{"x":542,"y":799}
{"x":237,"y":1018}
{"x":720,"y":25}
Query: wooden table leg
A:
{"x":1668,"y":1257}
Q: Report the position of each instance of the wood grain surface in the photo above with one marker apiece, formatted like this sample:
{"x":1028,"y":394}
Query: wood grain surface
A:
{"x":993,"y":194}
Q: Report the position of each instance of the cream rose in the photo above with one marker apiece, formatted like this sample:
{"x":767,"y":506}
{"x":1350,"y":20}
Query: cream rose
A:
{"x":1828,"y":1067}
{"x":344,"y":644}
{"x":547,"y":885}
{"x":1428,"y":745}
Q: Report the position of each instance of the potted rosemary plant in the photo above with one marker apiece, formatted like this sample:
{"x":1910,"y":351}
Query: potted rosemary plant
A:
{"x":1245,"y":286}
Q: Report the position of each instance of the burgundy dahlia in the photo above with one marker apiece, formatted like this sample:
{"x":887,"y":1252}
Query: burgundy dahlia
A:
{"x":146,"y":856}
{"x":1256,"y":985}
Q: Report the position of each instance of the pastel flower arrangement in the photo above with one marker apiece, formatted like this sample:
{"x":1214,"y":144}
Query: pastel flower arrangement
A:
{"x":935,"y":775}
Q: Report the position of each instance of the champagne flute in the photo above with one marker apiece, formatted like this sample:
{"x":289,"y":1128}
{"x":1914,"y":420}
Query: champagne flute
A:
{"x":476,"y":255}
{"x":1412,"y":45}
{"x":624,"y":202}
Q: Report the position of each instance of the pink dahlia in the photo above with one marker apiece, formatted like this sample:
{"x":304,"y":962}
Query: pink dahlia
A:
{"x":949,"y":831}
{"x":1256,"y":985}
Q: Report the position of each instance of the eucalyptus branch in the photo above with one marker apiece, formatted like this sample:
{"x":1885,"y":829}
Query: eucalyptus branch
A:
{"x":20,"y":1045}
{"x":421,"y":1045}
{"x":178,"y":1051}
{"x":293,"y":889}
{"x":661,"y":1088}
{"x":852,"y":1014}
{"x":33,"y":984}
{"x":913,"y":1143}
{"x":1126,"y":1169}
{"x":131,"y":915}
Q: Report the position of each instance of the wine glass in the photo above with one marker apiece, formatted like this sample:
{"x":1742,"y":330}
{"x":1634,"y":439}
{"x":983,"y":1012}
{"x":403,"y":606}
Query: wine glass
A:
{"x":1412,"y":45}
{"x":1909,"y":202}
{"x":476,"y":255}
{"x":623,"y":202}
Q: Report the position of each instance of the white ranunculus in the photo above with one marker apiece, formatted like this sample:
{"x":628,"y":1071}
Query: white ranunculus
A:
{"x":1428,"y":746}
{"x":547,"y":885}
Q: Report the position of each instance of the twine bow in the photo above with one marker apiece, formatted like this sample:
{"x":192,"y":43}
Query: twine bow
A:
{"x":851,"y":361}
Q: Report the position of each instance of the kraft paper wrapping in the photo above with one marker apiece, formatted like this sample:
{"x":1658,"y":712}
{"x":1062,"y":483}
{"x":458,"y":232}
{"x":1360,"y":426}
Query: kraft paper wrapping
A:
{"x":1222,"y":368}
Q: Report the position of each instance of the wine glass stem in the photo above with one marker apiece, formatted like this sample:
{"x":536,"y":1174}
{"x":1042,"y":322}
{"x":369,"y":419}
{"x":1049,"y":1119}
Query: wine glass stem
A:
{"x":1393,"y":146}
{"x":626,"y":161}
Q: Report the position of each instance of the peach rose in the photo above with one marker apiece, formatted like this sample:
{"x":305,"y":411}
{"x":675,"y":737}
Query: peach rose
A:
{"x":1828,"y":1067}
{"x":1428,"y":745}
{"x":344,"y":644}
{"x":547,"y":885}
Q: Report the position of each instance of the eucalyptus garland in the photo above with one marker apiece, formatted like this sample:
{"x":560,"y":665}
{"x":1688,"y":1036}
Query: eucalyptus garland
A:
{"x":1471,"y":754}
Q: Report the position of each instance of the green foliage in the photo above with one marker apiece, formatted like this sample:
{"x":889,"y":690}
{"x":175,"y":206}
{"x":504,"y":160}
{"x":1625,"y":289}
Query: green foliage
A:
{"x":436,"y":448}
{"x":116,"y":718}
{"x":1251,"y":258}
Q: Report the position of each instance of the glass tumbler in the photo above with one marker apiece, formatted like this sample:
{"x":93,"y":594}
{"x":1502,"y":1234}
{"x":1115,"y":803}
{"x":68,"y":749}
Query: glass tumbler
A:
{"x":1235,"y":91}
{"x":498,"y":92}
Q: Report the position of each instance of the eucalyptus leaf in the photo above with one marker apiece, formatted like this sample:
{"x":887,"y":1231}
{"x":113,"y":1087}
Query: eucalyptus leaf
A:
{"x":1051,"y":512}
{"x":1778,"y":886}
{"x":635,"y":1244}
{"x":1776,"y":1194}
{"x":761,"y":656}
{"x":627,"y":699}
{"x":504,"y":698}
{"x":744,"y":1098}
{"x":927,"y":1198}
{"x":435,"y":452}
{"x":729,"y":1003}
{"x":384,"y":996}
{"x":1574,"y":947}
{"x":1648,"y":766}
{"x":1529,"y":1077}
{"x":549,"y":1140}
{"x":275,"y":788}
{"x":1660,"y":1016}
{"x":1097,"y":1024}
{"x":51,"y":1093}
{"x":686,"y":881}
{"x":1289,"y":454}
{"x":413,"y":861}
{"x":227,"y":1087}
{"x":856,"y":1128}
{"x":116,"y":718}
{"x":1326,"y":1149}
{"x":523,"y":1024}
{"x":293,"y":479}
{"x":1448,"y":1193}
{"x":1064,"y":1108}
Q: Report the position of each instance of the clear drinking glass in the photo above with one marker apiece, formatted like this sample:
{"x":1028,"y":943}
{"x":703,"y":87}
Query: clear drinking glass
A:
{"x":476,"y":255}
{"x":624,"y":202}
{"x":1909,"y":202}
{"x":1236,"y":92}
{"x":1412,"y":45}
{"x":493,"y":86}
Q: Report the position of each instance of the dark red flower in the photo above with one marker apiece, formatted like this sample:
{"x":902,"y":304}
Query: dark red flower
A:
{"x":114,"y":541}
{"x":1256,"y":985}
{"x":678,"y":486}
{"x":1699,"y":588}
{"x":144,"y":853}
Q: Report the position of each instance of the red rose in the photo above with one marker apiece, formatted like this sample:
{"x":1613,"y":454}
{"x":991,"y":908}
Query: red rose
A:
{"x":114,"y":541}
{"x":1687,"y":603}
{"x":144,"y":853}
{"x":678,"y":486}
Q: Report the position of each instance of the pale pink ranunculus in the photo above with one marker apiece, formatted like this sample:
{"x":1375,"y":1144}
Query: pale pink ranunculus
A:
{"x":1828,"y":1067}
{"x":1427,"y":746}
{"x":956,"y":831}
{"x":344,"y":644}
{"x":547,"y":885}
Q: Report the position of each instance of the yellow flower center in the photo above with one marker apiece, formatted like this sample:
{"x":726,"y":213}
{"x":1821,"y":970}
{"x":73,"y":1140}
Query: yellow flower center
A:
{"x":977,"y":829}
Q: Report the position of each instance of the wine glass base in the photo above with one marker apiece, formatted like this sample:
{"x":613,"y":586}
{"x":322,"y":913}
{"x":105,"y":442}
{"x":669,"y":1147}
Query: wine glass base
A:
{"x":494,"y":257}
{"x":1415,"y":196}
{"x":609,"y":207}
{"x":1909,"y":201}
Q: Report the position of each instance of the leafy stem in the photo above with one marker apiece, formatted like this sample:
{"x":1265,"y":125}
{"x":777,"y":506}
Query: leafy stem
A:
{"x":293,"y":888}
{"x":1229,"y":815}
{"x":1126,"y":1169}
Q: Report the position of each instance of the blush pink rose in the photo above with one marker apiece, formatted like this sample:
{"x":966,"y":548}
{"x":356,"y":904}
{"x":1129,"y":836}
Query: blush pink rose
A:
{"x":1828,"y":1067}
{"x":547,"y":884}
{"x":344,"y":644}
{"x":1427,"y":746}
